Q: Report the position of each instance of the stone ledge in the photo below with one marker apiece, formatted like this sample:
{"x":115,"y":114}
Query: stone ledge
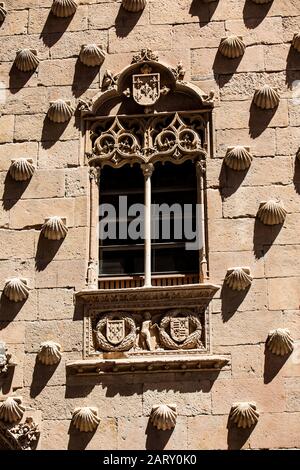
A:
{"x":186,"y":362}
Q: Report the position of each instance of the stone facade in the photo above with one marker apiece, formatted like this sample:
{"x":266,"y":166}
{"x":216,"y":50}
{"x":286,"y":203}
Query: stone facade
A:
{"x":187,"y":31}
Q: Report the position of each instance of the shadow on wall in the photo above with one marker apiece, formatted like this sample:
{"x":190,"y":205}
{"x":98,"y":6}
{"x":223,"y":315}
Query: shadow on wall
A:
{"x":254,"y":14}
{"x":40,"y":377}
{"x":231,"y":300}
{"x":13,"y":191}
{"x":79,"y":440}
{"x":45,"y":252}
{"x":54,"y":28}
{"x":83,"y":77}
{"x":264,"y":237}
{"x":230,"y":180}
{"x":9,"y":310}
{"x":259,"y":120}
{"x":273,"y":364}
{"x":204,"y":11}
{"x":157,"y":439}
{"x":126,"y":21}
{"x":225,"y":67}
{"x":296,"y":178}
{"x":237,"y":437}
{"x":6,"y":381}
{"x":18,"y":79}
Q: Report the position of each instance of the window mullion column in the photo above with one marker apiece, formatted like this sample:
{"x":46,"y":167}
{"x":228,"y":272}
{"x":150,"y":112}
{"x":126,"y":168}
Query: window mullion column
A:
{"x":147,"y":169}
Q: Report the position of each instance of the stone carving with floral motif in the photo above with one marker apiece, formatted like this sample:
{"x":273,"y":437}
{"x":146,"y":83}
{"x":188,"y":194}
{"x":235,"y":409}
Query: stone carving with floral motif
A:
{"x":180,"y":329}
{"x":115,"y":332}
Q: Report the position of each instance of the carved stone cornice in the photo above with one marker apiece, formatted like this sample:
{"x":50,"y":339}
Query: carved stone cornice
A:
{"x":172,"y":363}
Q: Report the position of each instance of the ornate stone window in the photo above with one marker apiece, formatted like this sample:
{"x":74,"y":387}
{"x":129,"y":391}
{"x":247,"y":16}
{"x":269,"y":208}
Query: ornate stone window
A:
{"x":148,"y":136}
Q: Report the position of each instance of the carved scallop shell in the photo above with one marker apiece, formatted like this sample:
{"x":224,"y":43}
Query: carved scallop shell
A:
{"x":3,"y":12}
{"x":232,"y":47}
{"x":296,"y":41}
{"x":280,"y":342}
{"x":163,"y":416}
{"x":21,"y":169}
{"x":60,"y":111}
{"x":271,"y":212}
{"x":11,"y":410}
{"x":85,"y":419}
{"x":16,"y":289}
{"x":238,"y":278}
{"x":54,"y":228}
{"x":134,"y":5}
{"x":92,"y":55}
{"x":266,"y":97}
{"x":27,"y":60}
{"x":49,"y":353}
{"x":238,"y":158}
{"x":244,"y":414}
{"x":63,"y":8}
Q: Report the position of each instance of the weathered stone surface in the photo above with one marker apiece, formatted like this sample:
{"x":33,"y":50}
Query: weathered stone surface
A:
{"x":154,"y":37}
{"x":39,"y":21}
{"x":281,"y":262}
{"x":279,"y":437}
{"x":6,"y":128}
{"x":263,"y":145}
{"x":283,"y":293}
{"x":61,"y":273}
{"x":195,"y":35}
{"x":207,"y":432}
{"x":15,"y":23}
{"x":15,"y":150}
{"x":221,"y":261}
{"x":61,"y":306}
{"x":58,"y":155}
{"x":67,"y":332}
{"x":269,"y":31}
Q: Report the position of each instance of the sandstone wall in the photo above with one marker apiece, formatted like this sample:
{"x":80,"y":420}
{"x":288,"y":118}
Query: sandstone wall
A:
{"x":190,"y":31}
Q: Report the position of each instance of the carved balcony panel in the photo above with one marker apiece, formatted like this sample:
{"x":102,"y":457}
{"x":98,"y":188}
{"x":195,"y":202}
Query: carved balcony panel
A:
{"x":147,"y":330}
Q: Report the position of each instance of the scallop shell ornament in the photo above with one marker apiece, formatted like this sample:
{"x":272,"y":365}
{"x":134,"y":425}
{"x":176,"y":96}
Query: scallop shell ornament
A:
{"x":238,"y":278}
{"x":16,"y":289}
{"x":11,"y":410}
{"x":49,"y":353}
{"x":266,"y":97}
{"x":271,"y":212}
{"x":232,"y":47}
{"x":163,"y":417}
{"x":92,"y":55}
{"x":3,"y":12}
{"x":27,"y":60}
{"x":21,"y":169}
{"x":238,"y":158}
{"x":85,"y":419}
{"x":244,"y":414}
{"x":296,"y":41}
{"x":134,"y":5}
{"x":63,"y":8}
{"x":60,"y":111}
{"x":55,"y":228}
{"x":280,"y":342}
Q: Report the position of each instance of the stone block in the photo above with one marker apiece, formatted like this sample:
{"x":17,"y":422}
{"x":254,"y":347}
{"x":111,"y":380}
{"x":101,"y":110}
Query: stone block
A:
{"x":41,"y":20}
{"x":61,"y":305}
{"x":139,"y":434}
{"x":73,"y":247}
{"x":268,"y":397}
{"x":191,"y":398}
{"x":15,"y":23}
{"x":58,"y":155}
{"x":230,"y":235}
{"x":57,"y":72}
{"x":77,"y":182}
{"x":12,"y":333}
{"x":263,"y":145}
{"x":62,"y":273}
{"x":39,"y":128}
{"x":247,"y":361}
{"x":195,"y":35}
{"x":287,"y":141}
{"x":207,"y":433}
{"x":17,"y":150}
{"x":219,"y":262}
{"x":214,"y":204}
{"x":153,"y":37}
{"x":269,"y":31}
{"x":284,"y":293}
{"x":280,"y":261}
{"x":276,"y":431}
{"x":29,"y":100}
{"x":7,"y":123}
{"x":107,"y":15}
{"x":70,"y":43}
{"x":66,"y":332}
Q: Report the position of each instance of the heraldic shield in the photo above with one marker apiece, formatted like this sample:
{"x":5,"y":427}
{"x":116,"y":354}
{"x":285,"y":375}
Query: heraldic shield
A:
{"x":179,"y":329}
{"x":115,"y":331}
{"x":146,"y":88}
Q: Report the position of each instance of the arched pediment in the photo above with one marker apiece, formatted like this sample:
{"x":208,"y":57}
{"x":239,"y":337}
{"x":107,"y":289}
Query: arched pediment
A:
{"x":147,"y":86}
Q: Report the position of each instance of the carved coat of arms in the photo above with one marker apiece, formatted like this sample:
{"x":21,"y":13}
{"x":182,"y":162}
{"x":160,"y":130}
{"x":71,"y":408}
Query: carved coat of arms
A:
{"x":146,"y":88}
{"x":179,"y":328}
{"x":115,"y":331}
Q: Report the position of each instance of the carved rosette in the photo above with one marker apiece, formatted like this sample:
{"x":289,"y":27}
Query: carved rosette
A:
{"x":232,"y":47}
{"x":238,"y":158}
{"x":115,"y":332}
{"x":296,"y":41}
{"x":11,"y":410}
{"x":21,"y":169}
{"x":238,"y":278}
{"x":55,"y":228}
{"x":163,"y":417}
{"x":271,"y":212}
{"x":60,"y":111}
{"x":85,"y":419}
{"x":180,"y":330}
{"x":16,"y":289}
{"x":134,"y":6}
{"x":280,"y":342}
{"x":3,"y":12}
{"x":266,"y":97}
{"x":27,"y":60}
{"x":244,"y":414}
{"x":63,"y":8}
{"x":49,"y":353}
{"x":92,"y":55}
